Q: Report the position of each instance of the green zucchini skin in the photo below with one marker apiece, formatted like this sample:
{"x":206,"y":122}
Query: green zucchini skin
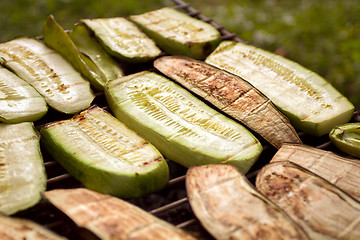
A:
{"x":311,"y":103}
{"x":177,"y":33}
{"x":346,"y":137}
{"x":182,"y":127}
{"x":19,"y":102}
{"x":122,"y":39}
{"x":23,"y":176}
{"x":104,"y":155}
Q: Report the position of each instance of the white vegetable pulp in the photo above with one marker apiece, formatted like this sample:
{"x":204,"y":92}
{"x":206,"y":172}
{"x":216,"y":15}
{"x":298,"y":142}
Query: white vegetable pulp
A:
{"x":312,"y":103}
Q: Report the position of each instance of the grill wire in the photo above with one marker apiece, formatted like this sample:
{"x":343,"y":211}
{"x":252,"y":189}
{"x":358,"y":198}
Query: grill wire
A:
{"x":171,"y":203}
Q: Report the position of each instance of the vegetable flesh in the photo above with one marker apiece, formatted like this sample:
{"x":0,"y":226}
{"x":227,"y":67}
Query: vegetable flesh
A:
{"x":177,"y":33}
{"x":22,"y":172}
{"x":311,"y":103}
{"x":232,"y":95}
{"x":19,"y":102}
{"x":123,"y":39}
{"x":182,"y":127}
{"x":229,"y":207}
{"x":112,"y":218}
{"x":320,"y":208}
{"x":105,"y":155}
{"x":347,"y":138}
{"x":49,"y":73}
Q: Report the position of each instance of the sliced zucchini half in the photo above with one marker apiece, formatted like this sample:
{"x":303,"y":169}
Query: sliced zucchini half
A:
{"x":178,"y":33}
{"x":22,"y":171}
{"x":19,"y":102}
{"x":311,"y":103}
{"x":104,"y":155}
{"x":346,"y":137}
{"x":63,"y":88}
{"x":122,"y":39}
{"x":181,"y":126}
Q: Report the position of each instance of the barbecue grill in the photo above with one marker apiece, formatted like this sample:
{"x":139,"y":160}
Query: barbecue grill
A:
{"x":171,"y":203}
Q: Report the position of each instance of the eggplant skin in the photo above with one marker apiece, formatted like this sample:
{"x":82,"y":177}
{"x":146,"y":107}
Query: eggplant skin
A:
{"x":320,"y":208}
{"x":229,"y":206}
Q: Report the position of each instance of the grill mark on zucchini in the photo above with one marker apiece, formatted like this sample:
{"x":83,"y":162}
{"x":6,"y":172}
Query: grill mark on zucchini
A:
{"x":152,"y":100}
{"x":9,"y":92}
{"x":110,"y":140}
{"x":18,"y":53}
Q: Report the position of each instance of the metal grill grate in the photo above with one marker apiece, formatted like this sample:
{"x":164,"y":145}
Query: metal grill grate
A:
{"x":170,"y":204}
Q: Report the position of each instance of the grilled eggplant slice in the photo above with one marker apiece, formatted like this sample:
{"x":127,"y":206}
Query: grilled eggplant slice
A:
{"x":347,"y":138}
{"x":230,"y":94}
{"x":87,"y":64}
{"x":16,"y":228}
{"x":104,"y":155}
{"x":311,"y":103}
{"x":22,"y":172}
{"x":229,"y":207}
{"x":177,"y":33}
{"x":340,"y":171}
{"x":319,"y":207}
{"x":182,"y":127}
{"x":122,"y":39}
{"x":49,"y":73}
{"x":112,"y":218}
{"x":19,"y":102}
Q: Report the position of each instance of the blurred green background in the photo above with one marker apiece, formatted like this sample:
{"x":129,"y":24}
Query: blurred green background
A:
{"x":323,"y":36}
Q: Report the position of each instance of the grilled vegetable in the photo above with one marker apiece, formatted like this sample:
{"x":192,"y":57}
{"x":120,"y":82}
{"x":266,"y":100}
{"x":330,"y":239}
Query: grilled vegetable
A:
{"x":232,"y":95}
{"x":19,"y":102}
{"x":229,"y":207}
{"x":84,"y":53}
{"x":340,"y":171}
{"x":22,"y":173}
{"x":123,"y":39}
{"x":104,"y":155}
{"x":111,"y":218}
{"x":320,"y":208}
{"x":347,"y":138}
{"x":177,"y":33}
{"x":16,"y":228}
{"x":311,"y":103}
{"x":182,"y":127}
{"x":50,"y":74}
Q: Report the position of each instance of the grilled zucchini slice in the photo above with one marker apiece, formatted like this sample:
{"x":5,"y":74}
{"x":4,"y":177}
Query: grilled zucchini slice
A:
{"x":122,"y":39}
{"x":104,"y":155}
{"x":19,"y":102}
{"x":346,"y":137}
{"x":22,"y":171}
{"x":82,"y":51}
{"x":181,"y":126}
{"x":49,"y":73}
{"x":177,"y":33}
{"x":311,"y":103}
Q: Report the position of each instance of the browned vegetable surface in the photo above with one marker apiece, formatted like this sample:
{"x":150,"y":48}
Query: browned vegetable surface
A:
{"x":231,"y":94}
{"x":110,"y":217}
{"x":16,"y":229}
{"x":320,"y":208}
{"x":229,"y":207}
{"x":340,"y":171}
